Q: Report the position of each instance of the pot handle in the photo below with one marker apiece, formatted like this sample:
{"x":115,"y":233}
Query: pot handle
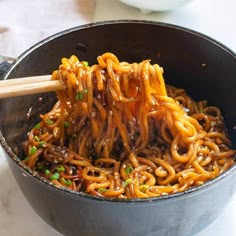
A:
{"x":5,"y":63}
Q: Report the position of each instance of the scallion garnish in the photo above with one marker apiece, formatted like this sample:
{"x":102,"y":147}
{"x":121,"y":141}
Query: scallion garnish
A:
{"x":66,"y":124}
{"x":37,"y":126}
{"x":32,"y":151}
{"x":40,"y":167}
{"x":102,"y":190}
{"x":67,"y":182}
{"x":85,"y":63}
{"x":80,"y":95}
{"x":49,"y":122}
{"x":55,"y":176}
{"x":128,"y":181}
{"x":60,"y":168}
{"x":143,"y":187}
{"x":42,"y":144}
{"x":128,"y":169}
{"x":47,"y":172}
{"x":201,"y":111}
{"x":36,"y":138}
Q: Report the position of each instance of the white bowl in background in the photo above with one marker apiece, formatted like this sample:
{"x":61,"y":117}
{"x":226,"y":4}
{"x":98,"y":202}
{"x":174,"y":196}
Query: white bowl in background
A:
{"x":156,"y":5}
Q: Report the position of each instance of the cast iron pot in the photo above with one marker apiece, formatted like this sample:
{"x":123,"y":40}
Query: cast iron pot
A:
{"x":197,"y":63}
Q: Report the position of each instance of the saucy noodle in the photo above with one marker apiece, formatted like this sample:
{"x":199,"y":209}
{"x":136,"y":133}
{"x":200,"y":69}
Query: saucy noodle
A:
{"x":119,"y":131}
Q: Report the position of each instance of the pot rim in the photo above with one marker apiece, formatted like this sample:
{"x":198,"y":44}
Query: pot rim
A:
{"x":28,"y":172}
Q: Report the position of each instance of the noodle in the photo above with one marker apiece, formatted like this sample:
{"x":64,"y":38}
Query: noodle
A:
{"x":118,"y":131}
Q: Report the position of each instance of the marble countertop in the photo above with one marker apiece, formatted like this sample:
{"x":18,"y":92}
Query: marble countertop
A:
{"x":212,"y":17}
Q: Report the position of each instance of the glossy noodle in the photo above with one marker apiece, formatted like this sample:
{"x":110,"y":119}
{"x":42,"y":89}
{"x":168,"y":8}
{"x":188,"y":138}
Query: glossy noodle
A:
{"x":119,"y":131}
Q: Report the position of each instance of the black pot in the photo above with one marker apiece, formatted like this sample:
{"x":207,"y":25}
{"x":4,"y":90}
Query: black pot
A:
{"x":202,"y":66}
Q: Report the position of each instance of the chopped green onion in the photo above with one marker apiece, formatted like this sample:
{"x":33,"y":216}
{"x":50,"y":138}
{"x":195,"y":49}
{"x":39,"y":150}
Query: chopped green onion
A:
{"x":102,"y":190}
{"x":32,"y":151}
{"x":67,"y":182}
{"x":37,"y":126}
{"x":201,"y":111}
{"x":66,"y":124}
{"x":128,"y":169}
{"x":40,"y":167}
{"x":36,"y":138}
{"x":85,"y":91}
{"x":85,"y":63}
{"x":143,"y":187}
{"x":26,"y":158}
{"x":47,"y":172}
{"x":128,"y":181}
{"x":49,"y":122}
{"x":80,"y":95}
{"x":55,"y":176}
{"x":60,"y":168}
{"x":42,"y":144}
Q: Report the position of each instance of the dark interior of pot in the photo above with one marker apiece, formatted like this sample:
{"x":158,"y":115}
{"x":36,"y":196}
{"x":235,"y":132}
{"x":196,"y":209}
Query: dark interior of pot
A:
{"x":202,"y":67}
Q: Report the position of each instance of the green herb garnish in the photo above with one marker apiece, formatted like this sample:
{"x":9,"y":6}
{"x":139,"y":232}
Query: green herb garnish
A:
{"x":80,"y":95}
{"x":36,"y":138}
{"x":102,"y":190}
{"x":85,"y":63}
{"x":61,"y":168}
{"x":37,"y":126}
{"x":40,"y":167}
{"x":47,"y":172}
{"x":67,"y":182}
{"x":201,"y":111}
{"x":128,"y":181}
{"x":66,"y":124}
{"x":49,"y":122}
{"x":128,"y":169}
{"x":32,"y":151}
{"x":26,"y":158}
{"x":55,"y":176}
{"x":143,"y":187}
{"x":42,"y":144}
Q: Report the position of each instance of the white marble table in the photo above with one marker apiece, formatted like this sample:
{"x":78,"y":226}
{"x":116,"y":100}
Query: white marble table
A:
{"x":215,"y":18}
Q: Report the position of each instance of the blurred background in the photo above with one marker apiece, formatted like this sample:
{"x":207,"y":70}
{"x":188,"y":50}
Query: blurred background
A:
{"x":25,"y":22}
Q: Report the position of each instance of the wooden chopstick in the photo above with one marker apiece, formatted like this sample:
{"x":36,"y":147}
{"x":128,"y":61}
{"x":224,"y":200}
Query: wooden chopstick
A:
{"x":25,"y":80}
{"x":28,"y":85}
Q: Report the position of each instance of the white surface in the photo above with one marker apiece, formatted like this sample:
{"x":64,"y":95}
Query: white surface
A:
{"x":212,"y":17}
{"x":17,"y":218}
{"x":25,"y":22}
{"x":215,"y":18}
{"x":156,"y":5}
